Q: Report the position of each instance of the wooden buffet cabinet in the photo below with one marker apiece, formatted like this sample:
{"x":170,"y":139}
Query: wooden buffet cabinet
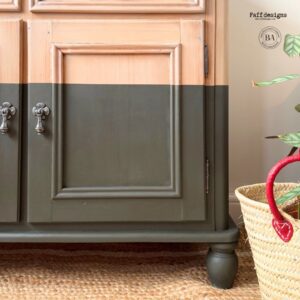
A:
{"x":114,"y":124}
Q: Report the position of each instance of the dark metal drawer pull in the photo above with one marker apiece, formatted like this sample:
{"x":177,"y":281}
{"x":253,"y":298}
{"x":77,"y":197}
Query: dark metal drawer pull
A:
{"x":41,"y":111}
{"x":7,"y":110}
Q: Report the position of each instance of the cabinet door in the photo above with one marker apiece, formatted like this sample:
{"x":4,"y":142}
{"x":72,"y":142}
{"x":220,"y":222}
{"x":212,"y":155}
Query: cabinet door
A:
{"x":10,"y":76}
{"x":124,"y":139}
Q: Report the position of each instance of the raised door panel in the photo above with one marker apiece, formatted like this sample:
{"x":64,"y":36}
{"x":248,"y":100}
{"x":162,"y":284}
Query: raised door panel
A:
{"x":119,"y":6}
{"x":119,"y":144}
{"x":10,"y":91}
{"x":10,"y":5}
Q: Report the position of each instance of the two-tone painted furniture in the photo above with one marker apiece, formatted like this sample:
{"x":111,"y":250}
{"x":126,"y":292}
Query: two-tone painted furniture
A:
{"x":114,"y":124}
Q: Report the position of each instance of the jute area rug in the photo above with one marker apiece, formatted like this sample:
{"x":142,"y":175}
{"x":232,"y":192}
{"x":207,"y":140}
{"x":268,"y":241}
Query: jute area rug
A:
{"x":116,"y":271}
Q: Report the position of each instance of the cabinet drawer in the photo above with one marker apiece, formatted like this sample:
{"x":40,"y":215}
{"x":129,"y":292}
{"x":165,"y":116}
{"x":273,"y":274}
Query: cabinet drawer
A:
{"x":119,"y":6}
{"x":124,"y":139}
{"x":10,"y":112}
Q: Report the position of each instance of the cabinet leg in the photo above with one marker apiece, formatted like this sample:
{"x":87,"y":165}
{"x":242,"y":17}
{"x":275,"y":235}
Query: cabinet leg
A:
{"x":222,"y":265}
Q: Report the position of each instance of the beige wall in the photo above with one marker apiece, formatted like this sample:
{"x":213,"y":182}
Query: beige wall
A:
{"x":259,"y":112}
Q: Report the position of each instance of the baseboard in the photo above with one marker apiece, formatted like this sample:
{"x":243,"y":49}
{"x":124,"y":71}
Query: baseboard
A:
{"x":235,"y":209}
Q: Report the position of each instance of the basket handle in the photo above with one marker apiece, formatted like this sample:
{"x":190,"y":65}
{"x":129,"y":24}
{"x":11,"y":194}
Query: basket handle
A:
{"x":282,"y":226}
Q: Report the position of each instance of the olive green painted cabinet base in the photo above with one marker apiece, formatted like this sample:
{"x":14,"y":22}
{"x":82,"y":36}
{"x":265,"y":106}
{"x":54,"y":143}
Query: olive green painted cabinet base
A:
{"x":142,"y":166}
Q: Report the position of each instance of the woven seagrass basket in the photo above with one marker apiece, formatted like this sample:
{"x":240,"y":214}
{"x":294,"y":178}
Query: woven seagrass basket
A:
{"x":277,"y":262}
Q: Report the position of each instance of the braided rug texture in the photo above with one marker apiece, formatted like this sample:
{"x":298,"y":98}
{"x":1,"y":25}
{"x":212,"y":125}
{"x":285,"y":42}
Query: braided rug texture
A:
{"x":116,"y":271}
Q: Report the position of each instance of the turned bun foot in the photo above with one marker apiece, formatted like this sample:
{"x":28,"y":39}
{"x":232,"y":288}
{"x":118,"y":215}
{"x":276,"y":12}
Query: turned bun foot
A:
{"x":222,"y":265}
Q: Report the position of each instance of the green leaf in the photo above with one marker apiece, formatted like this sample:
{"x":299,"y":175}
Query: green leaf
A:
{"x":289,"y":195}
{"x":292,"y":45}
{"x":291,"y":139}
{"x":276,"y":80}
{"x":297,"y":107}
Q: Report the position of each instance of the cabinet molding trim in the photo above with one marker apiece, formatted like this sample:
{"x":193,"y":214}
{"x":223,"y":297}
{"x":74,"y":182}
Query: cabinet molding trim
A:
{"x":141,"y":234}
{"x":59,"y":51}
{"x":11,"y":5}
{"x":61,"y":192}
{"x":119,"y":6}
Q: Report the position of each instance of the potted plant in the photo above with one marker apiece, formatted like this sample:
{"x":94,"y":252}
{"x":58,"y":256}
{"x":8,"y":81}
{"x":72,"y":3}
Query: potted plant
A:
{"x":271,"y":213}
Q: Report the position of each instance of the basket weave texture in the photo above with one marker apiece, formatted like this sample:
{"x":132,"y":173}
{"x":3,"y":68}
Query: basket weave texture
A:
{"x":277,"y":263}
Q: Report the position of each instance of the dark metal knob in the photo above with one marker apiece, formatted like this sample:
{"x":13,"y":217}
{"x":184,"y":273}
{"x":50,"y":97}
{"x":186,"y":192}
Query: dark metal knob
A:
{"x":40,"y":111}
{"x":7,"y":110}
